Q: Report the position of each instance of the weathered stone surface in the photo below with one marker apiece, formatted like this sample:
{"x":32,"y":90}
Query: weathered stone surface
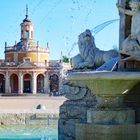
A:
{"x":115,"y":117}
{"x":109,"y":101}
{"x":106,"y":132}
{"x":6,"y":119}
{"x":138,"y":131}
{"x":73,"y":92}
{"x":26,"y":118}
{"x":67,"y":129}
{"x":74,"y":110}
{"x":137,"y":115}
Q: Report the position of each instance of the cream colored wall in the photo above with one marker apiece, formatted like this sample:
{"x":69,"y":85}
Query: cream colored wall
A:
{"x":43,"y":57}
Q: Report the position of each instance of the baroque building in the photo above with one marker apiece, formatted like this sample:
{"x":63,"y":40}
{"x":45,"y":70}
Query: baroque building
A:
{"x":27,"y":68}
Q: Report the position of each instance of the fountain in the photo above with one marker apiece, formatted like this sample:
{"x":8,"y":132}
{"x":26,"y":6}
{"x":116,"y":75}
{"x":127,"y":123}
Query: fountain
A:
{"x":104,"y":105}
{"x":110,"y":118}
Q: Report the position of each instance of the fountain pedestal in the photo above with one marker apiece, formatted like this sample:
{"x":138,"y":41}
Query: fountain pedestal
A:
{"x":108,"y":125}
{"x":106,"y":132}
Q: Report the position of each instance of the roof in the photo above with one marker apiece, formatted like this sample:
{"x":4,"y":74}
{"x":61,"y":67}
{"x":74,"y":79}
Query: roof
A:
{"x":27,"y":64}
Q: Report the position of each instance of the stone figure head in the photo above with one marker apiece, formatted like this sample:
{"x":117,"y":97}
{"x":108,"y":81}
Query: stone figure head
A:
{"x":135,"y":5}
{"x":85,"y":37}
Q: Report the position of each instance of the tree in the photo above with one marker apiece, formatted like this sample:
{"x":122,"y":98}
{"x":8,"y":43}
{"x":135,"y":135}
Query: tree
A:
{"x":65,"y":59}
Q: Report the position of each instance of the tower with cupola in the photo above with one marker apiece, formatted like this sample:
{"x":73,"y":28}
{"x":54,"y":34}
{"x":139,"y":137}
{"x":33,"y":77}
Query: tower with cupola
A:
{"x":27,"y":48}
{"x":26,"y":31}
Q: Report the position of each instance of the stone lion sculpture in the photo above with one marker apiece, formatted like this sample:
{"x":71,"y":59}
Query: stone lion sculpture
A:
{"x":90,"y":56}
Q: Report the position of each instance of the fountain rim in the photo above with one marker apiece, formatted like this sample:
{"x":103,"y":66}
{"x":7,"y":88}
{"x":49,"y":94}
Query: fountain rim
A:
{"x":108,"y":75}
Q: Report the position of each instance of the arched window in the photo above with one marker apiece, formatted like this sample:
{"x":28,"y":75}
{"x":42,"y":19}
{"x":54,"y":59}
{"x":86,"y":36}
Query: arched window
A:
{"x":2,"y":83}
{"x":54,"y":84}
{"x":40,"y":83}
{"x":27,"y":83}
{"x":14,"y":83}
{"x":27,"y":34}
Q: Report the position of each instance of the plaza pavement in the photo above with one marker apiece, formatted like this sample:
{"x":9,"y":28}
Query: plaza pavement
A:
{"x":28,"y":104}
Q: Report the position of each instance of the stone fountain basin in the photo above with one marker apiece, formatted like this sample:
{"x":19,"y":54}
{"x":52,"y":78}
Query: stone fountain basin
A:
{"x":106,"y":83}
{"x":110,"y":88}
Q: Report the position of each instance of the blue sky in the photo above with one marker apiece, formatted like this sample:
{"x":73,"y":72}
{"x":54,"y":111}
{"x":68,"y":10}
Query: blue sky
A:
{"x":59,"y":22}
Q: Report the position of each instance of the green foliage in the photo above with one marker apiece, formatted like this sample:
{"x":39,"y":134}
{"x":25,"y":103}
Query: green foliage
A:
{"x":65,"y":59}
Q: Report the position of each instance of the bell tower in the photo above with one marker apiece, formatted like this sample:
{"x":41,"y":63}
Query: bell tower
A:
{"x":26,"y":30}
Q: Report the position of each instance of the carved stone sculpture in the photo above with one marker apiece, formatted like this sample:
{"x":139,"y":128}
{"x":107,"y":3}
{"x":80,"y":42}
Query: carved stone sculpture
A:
{"x":131,"y":44}
{"x":90,"y":56}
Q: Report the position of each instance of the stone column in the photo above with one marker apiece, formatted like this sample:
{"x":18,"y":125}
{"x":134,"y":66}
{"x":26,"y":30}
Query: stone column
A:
{"x":46,"y":84}
{"x":20,"y":83}
{"x":34,"y":85}
{"x":7,"y":83}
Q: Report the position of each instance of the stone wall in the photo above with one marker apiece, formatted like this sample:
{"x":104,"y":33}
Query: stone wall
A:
{"x":27,"y":118}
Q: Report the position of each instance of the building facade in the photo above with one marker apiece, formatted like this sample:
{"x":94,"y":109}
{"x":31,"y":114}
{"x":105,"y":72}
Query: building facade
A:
{"x":26,"y":68}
